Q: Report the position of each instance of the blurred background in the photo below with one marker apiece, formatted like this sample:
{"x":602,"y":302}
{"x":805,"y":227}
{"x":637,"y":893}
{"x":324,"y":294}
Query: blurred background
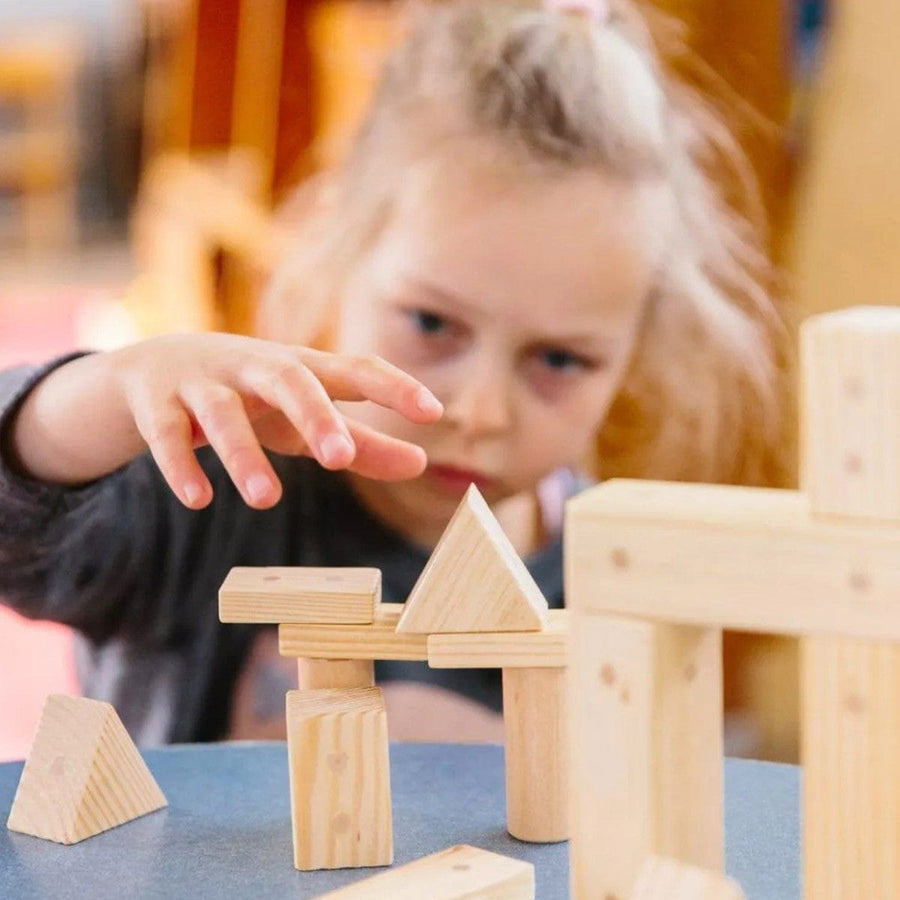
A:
{"x":146,"y":147}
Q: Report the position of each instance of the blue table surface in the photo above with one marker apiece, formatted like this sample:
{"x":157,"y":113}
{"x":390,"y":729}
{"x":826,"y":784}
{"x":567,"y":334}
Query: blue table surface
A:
{"x":227,"y":829}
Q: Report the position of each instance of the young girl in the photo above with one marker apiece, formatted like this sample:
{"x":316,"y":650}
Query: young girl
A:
{"x":522,"y":239}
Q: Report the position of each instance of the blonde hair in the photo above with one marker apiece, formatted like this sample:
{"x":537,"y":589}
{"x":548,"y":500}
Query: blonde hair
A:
{"x":704,"y":396}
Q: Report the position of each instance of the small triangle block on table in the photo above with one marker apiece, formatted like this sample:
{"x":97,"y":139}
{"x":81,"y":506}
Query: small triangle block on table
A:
{"x":474,"y":581}
{"x":83,"y":775}
{"x":662,"y":878}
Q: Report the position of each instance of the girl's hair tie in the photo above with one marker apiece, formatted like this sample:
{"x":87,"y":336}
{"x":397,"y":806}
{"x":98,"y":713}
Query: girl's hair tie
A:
{"x":595,"y":10}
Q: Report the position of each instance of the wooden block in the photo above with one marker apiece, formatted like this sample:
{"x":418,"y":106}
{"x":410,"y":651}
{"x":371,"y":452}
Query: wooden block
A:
{"x":646,"y":739}
{"x":739,"y":558}
{"x":504,"y":649}
{"x":376,"y":641}
{"x":474,"y":580}
{"x":668,"y":879}
{"x":459,"y":873}
{"x":317,"y":674}
{"x":850,"y":689}
{"x":851,"y":417}
{"x":340,"y":779}
{"x":306,"y":595}
{"x":83,"y":775}
{"x":536,"y":719}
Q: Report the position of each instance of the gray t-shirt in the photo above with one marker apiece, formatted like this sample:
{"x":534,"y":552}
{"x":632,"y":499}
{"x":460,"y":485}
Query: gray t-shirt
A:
{"x":137,"y":575}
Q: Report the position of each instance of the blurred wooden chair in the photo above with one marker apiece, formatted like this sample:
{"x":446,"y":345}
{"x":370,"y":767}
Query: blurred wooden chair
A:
{"x":39,"y":72}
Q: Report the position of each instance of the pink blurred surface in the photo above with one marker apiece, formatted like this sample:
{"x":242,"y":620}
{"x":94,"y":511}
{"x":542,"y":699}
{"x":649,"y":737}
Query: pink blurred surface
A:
{"x":35,"y":657}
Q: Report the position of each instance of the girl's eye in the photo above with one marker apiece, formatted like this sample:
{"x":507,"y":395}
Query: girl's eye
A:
{"x":562,"y":360}
{"x":427,"y":322}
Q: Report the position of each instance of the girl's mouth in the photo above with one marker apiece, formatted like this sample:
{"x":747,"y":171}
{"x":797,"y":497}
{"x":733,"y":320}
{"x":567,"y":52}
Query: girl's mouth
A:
{"x":457,"y":481}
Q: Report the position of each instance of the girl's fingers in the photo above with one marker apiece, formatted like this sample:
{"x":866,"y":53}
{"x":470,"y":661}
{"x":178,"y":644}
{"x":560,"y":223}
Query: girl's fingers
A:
{"x":372,"y":378}
{"x":220,"y":412}
{"x":166,"y":428}
{"x":298,"y":393}
{"x":385,"y":458}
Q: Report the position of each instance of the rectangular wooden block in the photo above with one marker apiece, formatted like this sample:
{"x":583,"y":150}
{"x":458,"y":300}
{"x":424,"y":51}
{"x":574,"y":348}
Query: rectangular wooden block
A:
{"x":504,"y":650}
{"x":375,"y":641}
{"x":740,"y":558}
{"x":316,"y":674}
{"x":647,"y":757}
{"x":340,"y":778}
{"x":304,"y":594}
{"x":459,"y":873}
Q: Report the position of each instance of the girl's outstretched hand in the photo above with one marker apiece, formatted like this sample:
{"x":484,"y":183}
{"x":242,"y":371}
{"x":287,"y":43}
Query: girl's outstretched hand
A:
{"x":241,"y":394}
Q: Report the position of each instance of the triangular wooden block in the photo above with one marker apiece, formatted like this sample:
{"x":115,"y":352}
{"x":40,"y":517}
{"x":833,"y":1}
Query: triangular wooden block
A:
{"x":667,"y":879}
{"x":474,"y":581}
{"x":83,"y":775}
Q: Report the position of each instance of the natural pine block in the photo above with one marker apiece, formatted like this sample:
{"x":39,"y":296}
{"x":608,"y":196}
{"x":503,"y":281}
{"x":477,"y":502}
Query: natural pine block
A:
{"x":668,"y":879}
{"x":735,"y":557}
{"x":460,"y":873}
{"x":316,"y":674}
{"x":535,"y":716}
{"x":83,"y":775}
{"x":379,"y":640}
{"x":647,"y":757}
{"x":850,"y":689}
{"x":851,"y":413}
{"x":548,"y":649}
{"x":474,"y":580}
{"x":305,"y":594}
{"x":340,"y":779}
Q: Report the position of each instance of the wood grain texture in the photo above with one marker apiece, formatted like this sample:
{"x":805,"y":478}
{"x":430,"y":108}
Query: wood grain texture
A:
{"x":83,"y":774}
{"x":668,"y":879}
{"x":340,"y":779}
{"x":379,"y":640}
{"x":536,"y":719}
{"x":646,"y":739}
{"x":505,"y":649}
{"x":474,"y":580}
{"x":850,"y":689}
{"x":459,"y":873}
{"x":318,"y":674}
{"x":278,"y":595}
{"x":739,"y":558}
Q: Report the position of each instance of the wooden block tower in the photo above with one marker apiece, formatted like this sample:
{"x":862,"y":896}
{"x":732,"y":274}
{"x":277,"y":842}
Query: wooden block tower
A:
{"x":655,"y":571}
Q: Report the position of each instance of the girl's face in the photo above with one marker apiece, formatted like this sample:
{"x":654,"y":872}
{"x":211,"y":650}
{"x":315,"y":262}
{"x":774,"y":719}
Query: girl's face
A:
{"x":518,"y":303}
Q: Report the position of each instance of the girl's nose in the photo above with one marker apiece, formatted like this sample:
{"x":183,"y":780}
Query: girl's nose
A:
{"x":482,"y":403}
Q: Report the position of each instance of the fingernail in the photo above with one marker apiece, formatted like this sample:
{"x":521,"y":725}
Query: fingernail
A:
{"x":193,"y":492}
{"x":258,"y":487}
{"x":335,"y":448}
{"x":428,"y":403}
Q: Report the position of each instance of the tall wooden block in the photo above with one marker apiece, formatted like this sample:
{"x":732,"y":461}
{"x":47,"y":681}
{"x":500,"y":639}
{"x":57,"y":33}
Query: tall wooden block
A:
{"x":310,"y":595}
{"x":317,"y":674}
{"x":851,"y":688}
{"x":667,"y":879}
{"x":647,"y":756}
{"x":535,"y":716}
{"x":83,"y":775}
{"x":474,"y":580}
{"x":459,"y":873}
{"x":340,"y":778}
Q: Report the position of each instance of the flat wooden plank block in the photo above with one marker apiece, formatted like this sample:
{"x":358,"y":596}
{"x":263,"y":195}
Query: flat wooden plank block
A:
{"x":668,"y":879}
{"x":459,"y":873}
{"x":340,"y":778}
{"x":474,"y":580}
{"x":547,"y":649}
{"x":376,"y":641}
{"x":305,"y":595}
{"x":83,"y":775}
{"x":740,"y":558}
